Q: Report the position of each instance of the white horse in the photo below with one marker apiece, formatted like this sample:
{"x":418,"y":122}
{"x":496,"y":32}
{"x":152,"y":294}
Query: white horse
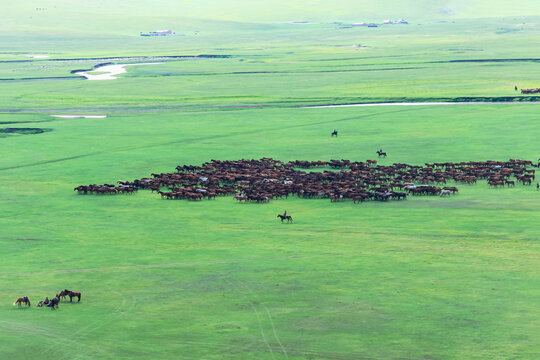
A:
{"x":445,"y":193}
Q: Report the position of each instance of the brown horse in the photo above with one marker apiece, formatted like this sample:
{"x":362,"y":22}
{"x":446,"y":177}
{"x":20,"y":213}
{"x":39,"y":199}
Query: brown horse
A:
{"x":64,"y":293}
{"x":21,"y":300}
{"x":72,"y":294}
{"x":54,"y":302}
{"x":285,"y":217}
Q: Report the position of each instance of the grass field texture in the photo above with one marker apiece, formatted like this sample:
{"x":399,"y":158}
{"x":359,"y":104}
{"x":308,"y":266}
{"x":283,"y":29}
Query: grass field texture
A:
{"x":425,"y":278}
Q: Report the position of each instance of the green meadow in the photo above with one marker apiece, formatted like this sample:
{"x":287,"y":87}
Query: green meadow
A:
{"x":425,"y":278}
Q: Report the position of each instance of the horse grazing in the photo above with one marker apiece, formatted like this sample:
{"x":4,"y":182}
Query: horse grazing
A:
{"x":54,"y":302}
{"x":64,"y":293}
{"x":334,"y":133}
{"x":21,"y":300}
{"x":381,"y":153}
{"x":285,"y":217}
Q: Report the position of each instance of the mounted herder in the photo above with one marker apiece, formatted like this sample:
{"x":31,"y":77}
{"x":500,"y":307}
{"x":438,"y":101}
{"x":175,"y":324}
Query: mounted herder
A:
{"x":285,"y":217}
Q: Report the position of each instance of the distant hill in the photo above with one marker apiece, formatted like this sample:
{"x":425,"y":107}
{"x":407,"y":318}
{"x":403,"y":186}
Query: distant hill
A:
{"x":127,"y":16}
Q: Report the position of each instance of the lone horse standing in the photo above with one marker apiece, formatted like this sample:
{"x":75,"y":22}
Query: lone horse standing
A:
{"x":22,"y":300}
{"x":285,"y":217}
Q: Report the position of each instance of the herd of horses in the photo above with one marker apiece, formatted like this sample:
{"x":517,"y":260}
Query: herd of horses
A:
{"x":530,"y":91}
{"x":53,"y":302}
{"x":265,"y":179}
{"x":106,"y":189}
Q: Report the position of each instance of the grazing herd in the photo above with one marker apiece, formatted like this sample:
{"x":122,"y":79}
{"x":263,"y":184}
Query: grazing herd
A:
{"x":52,"y":303}
{"x":106,"y":189}
{"x":262,"y":180}
{"x":530,"y":91}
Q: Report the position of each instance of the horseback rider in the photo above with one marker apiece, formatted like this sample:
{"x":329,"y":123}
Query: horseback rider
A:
{"x":285,"y":217}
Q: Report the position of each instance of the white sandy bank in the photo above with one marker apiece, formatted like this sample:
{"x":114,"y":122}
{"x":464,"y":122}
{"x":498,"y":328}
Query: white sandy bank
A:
{"x":37,"y":56}
{"x":80,"y":116}
{"x":109,"y":70}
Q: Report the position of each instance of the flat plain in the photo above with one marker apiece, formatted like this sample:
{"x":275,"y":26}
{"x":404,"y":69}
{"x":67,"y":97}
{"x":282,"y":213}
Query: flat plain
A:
{"x":425,"y":278}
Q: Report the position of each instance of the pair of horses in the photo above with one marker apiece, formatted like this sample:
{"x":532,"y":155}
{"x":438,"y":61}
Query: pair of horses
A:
{"x":334,"y":133}
{"x":285,"y":217}
{"x":71,"y":295}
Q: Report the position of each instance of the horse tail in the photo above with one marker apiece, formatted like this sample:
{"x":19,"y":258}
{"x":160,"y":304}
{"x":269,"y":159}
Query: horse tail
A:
{"x":29,"y":302}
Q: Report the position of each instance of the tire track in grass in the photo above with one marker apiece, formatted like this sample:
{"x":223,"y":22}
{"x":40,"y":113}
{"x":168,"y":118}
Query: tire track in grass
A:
{"x":218,"y":346}
{"x":199,"y":139}
{"x":269,"y":318}
{"x":166,"y":265}
{"x":59,"y":343}
{"x":52,"y":161}
{"x":265,"y":340}
{"x":96,"y":325}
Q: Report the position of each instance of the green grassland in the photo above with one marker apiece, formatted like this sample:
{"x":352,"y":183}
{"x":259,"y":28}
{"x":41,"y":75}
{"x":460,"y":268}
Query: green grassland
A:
{"x":322,"y":65}
{"x":425,"y":278}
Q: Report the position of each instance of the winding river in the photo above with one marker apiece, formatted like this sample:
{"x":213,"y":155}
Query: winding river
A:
{"x":109,"y":72}
{"x":426,"y":104}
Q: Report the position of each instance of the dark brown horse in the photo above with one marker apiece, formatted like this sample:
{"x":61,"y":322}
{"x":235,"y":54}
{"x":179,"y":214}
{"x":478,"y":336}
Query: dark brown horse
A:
{"x":285,"y":217}
{"x":72,"y":294}
{"x":64,"y":293}
{"x":22,"y":300}
{"x":54,"y":302}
